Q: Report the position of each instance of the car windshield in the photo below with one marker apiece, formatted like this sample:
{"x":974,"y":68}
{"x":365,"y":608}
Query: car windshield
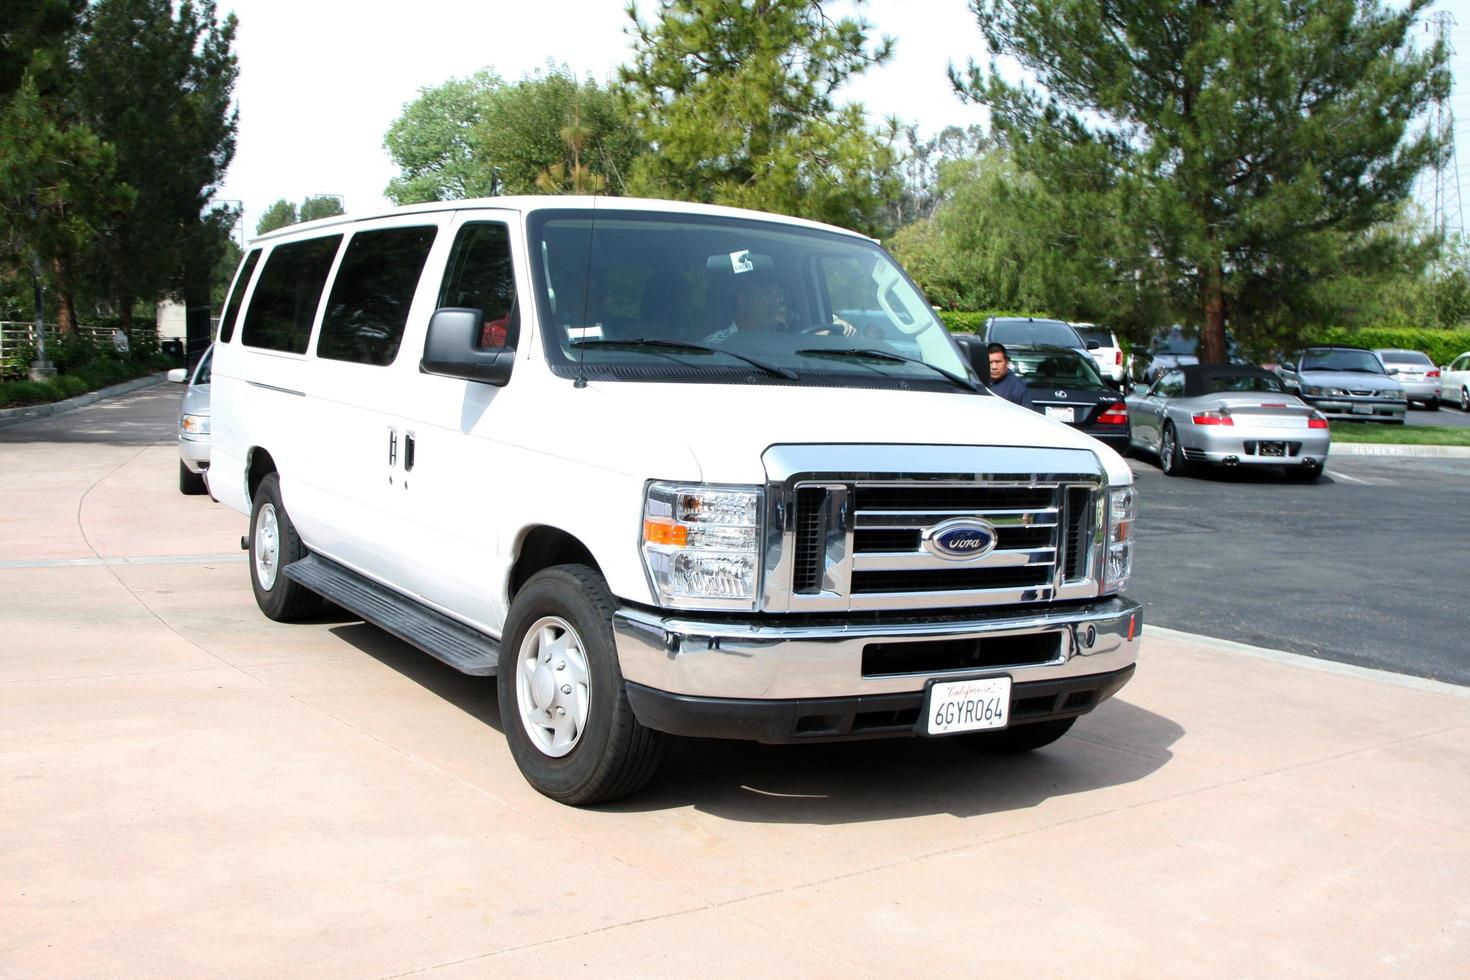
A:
{"x":1243,"y":382}
{"x":1103,"y":337}
{"x":1058,"y":367}
{"x":1010,"y":332}
{"x":1174,"y":342}
{"x":700,"y":299}
{"x":1406,"y":358}
{"x":1341,"y":359}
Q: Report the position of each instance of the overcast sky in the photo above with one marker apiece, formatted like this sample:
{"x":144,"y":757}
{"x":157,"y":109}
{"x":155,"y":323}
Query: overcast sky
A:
{"x":321,"y":80}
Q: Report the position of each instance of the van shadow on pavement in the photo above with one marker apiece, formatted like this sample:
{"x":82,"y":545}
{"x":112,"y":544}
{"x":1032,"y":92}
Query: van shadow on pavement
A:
{"x":840,"y":783}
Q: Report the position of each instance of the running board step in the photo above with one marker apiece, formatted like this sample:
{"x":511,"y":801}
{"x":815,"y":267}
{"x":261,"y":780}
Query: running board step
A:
{"x":466,"y":650}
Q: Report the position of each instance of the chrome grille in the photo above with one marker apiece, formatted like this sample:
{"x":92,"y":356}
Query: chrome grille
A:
{"x":843,"y":538}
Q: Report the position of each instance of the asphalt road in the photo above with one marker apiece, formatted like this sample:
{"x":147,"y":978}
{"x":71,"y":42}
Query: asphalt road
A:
{"x":1444,"y":415}
{"x":1368,"y":566}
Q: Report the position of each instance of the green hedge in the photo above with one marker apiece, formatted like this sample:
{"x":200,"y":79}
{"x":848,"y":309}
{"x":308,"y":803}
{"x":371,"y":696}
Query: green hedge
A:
{"x":1442,"y":346}
{"x":94,"y":374}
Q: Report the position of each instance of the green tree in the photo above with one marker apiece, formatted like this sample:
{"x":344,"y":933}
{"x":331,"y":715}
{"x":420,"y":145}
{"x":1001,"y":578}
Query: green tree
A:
{"x":737,"y":100}
{"x":434,"y":144}
{"x":321,"y":206}
{"x":278,"y":215}
{"x":33,"y":38}
{"x":156,"y":82}
{"x":475,"y":137}
{"x":1244,"y":145}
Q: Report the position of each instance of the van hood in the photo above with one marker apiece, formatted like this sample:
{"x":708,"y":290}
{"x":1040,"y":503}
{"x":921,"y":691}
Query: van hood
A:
{"x":726,"y":428}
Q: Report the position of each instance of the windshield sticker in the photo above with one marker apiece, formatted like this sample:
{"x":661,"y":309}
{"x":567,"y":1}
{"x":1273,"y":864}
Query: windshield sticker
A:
{"x":740,"y":261}
{"x":593,"y":332}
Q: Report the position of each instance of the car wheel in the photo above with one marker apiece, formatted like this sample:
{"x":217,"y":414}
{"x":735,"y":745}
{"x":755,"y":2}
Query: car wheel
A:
{"x":273,"y":544}
{"x":1432,"y":404}
{"x":1304,"y":474}
{"x":191,"y":484}
{"x":1022,"y":738}
{"x":1171,"y":457}
{"x":1465,"y":399}
{"x":563,"y":703}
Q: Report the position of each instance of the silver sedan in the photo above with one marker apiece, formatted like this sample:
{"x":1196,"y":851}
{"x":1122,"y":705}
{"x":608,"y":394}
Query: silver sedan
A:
{"x":1228,"y":415}
{"x":194,"y":424}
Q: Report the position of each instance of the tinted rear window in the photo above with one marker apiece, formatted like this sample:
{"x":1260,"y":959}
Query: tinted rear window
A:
{"x":285,"y":300}
{"x":1104,"y":338}
{"x":237,"y":296}
{"x":1033,"y":332}
{"x":1406,"y":357}
{"x":368,"y":307}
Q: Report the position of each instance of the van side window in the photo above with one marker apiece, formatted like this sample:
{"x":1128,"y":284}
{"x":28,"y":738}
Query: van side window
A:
{"x":285,"y":299}
{"x":237,"y":296}
{"x":368,"y":306}
{"x":480,"y":275}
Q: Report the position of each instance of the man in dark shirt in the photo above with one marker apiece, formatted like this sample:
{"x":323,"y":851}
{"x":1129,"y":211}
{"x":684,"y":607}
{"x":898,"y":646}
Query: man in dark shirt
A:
{"x":1003,"y":382}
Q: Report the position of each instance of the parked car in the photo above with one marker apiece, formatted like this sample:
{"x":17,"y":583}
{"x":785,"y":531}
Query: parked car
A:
{"x":1454,"y":380}
{"x":563,"y":442}
{"x":1170,"y":349}
{"x":1026,"y":331}
{"x":1108,"y":353}
{"x":1067,"y":387}
{"x":1345,"y":383}
{"x":1228,"y":415}
{"x":194,"y":436}
{"x":1416,"y":372}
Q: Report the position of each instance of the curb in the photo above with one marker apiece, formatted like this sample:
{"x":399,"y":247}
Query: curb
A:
{"x":1391,"y":449}
{"x":1312,"y":663}
{"x":13,"y":416}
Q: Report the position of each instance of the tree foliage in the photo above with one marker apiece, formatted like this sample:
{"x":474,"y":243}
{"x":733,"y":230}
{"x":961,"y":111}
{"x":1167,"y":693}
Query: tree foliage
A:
{"x":156,"y":82}
{"x":738,"y":102}
{"x":1245,"y":145}
{"x":321,"y":206}
{"x":474,"y":137}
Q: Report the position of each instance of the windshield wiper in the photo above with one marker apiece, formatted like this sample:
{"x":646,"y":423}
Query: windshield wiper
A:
{"x":868,"y":353}
{"x":656,"y":344}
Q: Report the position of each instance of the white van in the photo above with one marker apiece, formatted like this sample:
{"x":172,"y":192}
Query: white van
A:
{"x":664,"y":469}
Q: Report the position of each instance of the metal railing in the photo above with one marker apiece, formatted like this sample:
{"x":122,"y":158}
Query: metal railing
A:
{"x":17,"y":340}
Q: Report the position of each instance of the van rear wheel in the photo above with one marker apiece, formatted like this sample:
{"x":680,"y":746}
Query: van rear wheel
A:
{"x":273,"y":544}
{"x":563,"y":703}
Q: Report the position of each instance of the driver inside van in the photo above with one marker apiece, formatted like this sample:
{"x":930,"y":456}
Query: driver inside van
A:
{"x":760,"y":306}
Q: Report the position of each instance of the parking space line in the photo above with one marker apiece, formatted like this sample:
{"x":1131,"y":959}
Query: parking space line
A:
{"x":1336,"y":474}
{"x":96,"y":562}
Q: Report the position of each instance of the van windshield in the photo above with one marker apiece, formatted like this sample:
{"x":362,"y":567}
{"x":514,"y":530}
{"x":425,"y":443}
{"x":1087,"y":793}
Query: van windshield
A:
{"x":647,"y":296}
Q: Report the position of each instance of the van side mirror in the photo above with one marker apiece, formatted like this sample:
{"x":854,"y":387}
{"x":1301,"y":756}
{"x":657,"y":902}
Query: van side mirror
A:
{"x":452,"y":348}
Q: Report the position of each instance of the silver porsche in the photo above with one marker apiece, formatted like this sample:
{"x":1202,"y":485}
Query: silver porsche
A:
{"x":1226,"y":415}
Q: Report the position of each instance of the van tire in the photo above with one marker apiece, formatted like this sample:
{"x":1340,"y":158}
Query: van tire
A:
{"x":568,"y":608}
{"x":1021,"y":738}
{"x":272,"y":545}
{"x":191,"y":484}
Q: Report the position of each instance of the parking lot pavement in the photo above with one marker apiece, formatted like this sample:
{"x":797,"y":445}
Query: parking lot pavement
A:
{"x":1444,"y":415}
{"x":190,"y":789}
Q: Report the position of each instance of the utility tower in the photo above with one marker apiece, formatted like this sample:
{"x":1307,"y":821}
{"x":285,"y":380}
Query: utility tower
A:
{"x":1448,"y":213}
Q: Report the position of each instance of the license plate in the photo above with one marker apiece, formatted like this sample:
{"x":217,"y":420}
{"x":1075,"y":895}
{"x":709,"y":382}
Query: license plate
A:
{"x":1362,"y":409}
{"x":1062,"y":413}
{"x":1271,"y":448}
{"x":969,"y":706}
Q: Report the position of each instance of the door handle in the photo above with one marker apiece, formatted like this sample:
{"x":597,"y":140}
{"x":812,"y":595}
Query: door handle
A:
{"x":408,"y":444}
{"x":392,"y":447}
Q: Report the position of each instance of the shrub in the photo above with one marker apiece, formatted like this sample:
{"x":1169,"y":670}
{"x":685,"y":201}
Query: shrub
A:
{"x":1442,"y":346}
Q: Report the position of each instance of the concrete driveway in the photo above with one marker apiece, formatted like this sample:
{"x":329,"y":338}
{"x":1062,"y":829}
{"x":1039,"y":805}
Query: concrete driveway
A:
{"x":188,"y":789}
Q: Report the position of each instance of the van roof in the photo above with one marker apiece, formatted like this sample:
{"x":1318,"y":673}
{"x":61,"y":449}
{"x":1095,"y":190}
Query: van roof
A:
{"x":542,"y":202}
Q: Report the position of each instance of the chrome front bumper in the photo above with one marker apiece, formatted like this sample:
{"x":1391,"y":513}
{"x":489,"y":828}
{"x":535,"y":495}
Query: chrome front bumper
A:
{"x":758,"y":659}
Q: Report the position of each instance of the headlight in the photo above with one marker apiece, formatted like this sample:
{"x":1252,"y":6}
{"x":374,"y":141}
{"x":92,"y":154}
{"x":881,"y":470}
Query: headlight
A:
{"x":1400,"y":394}
{"x":194,"y":425}
{"x":1122,"y":505}
{"x":701,"y":543}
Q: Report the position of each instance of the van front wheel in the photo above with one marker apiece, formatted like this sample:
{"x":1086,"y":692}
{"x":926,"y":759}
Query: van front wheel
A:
{"x":274,"y":544}
{"x":563,"y":703}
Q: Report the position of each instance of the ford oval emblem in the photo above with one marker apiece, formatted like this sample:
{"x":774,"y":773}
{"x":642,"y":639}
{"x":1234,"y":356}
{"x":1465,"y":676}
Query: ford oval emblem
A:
{"x":960,"y":539}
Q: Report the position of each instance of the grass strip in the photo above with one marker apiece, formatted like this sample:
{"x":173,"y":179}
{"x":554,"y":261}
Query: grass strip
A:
{"x":1400,"y":435}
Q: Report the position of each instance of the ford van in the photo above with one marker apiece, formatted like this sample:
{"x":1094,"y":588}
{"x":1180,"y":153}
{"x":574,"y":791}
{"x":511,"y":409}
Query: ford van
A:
{"x":664,"y":469}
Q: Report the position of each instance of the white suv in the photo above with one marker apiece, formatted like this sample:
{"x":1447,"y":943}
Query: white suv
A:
{"x":1108,"y":354}
{"x":665,"y":469}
